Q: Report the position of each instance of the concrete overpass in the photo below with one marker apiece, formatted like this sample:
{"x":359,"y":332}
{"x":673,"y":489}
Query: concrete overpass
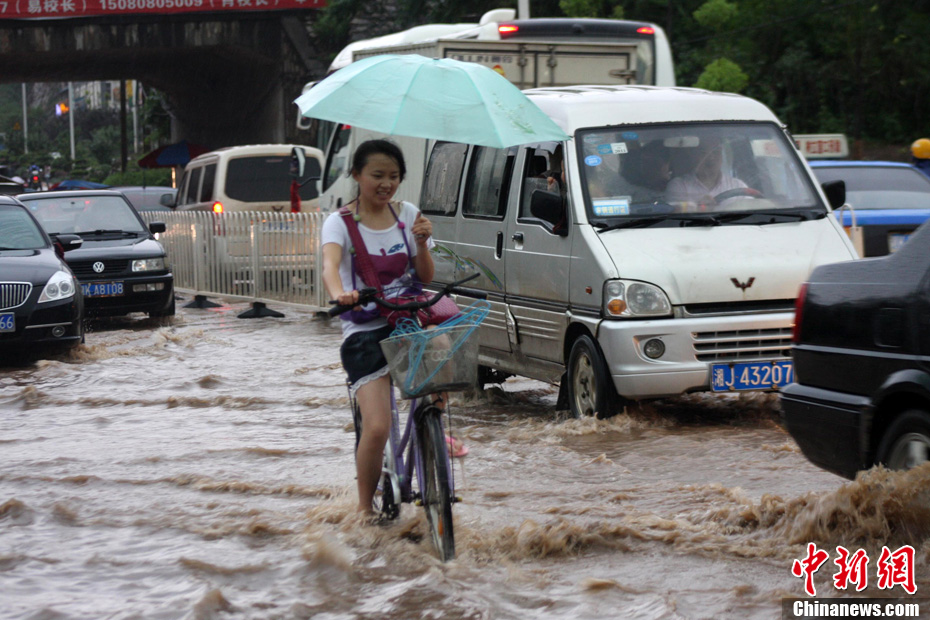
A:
{"x":230,"y":77}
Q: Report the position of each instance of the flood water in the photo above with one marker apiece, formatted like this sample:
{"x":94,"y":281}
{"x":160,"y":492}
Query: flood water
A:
{"x":202,"y":467}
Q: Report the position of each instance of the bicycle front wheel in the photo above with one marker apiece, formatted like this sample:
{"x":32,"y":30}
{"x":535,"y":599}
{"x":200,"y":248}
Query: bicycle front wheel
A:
{"x":435,"y":487}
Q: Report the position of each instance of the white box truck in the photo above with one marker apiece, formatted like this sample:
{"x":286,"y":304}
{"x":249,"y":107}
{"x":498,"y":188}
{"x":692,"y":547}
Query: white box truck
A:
{"x":538,"y":52}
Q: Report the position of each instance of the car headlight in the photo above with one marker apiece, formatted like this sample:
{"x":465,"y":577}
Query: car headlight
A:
{"x":60,"y":286}
{"x":631,"y":299}
{"x":149,"y":264}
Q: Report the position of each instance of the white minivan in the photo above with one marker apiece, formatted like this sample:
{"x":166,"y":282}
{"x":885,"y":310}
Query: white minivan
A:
{"x":669,"y":259}
{"x":254,"y":177}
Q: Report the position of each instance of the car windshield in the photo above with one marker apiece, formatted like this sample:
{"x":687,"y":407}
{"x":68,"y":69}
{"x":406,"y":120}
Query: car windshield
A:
{"x":701,"y":169}
{"x":265,"y":178}
{"x":880,"y":187}
{"x":18,"y":231}
{"x":85,"y":214}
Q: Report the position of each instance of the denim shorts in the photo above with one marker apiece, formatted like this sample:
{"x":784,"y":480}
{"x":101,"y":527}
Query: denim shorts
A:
{"x":362,"y":356}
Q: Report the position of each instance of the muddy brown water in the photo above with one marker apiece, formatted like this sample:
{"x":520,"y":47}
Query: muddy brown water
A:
{"x":201,"y":467}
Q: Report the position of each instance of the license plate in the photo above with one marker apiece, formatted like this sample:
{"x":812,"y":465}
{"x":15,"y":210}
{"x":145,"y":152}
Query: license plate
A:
{"x":740,"y":376}
{"x":102,"y":289}
{"x":896,"y":241}
{"x":7,"y":322}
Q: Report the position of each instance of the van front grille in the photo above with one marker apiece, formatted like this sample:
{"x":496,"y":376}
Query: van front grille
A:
{"x":742,"y":344}
{"x":739,"y":307}
{"x":13,"y":294}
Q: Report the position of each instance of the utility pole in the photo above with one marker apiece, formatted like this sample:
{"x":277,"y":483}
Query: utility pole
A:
{"x":124,"y":146}
{"x":25,"y":123}
{"x":523,"y":9}
{"x":71,"y":120}
{"x":135,"y":116}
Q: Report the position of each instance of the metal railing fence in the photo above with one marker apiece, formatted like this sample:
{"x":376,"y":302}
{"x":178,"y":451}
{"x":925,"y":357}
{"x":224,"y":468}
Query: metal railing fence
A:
{"x":256,"y":256}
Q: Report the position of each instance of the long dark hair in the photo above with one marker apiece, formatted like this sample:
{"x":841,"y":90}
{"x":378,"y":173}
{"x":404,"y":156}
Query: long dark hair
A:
{"x":377,"y":147}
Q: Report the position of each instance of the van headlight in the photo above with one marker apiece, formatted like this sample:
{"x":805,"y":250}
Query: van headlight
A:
{"x":631,"y":299}
{"x":149,"y":264}
{"x":60,"y":286}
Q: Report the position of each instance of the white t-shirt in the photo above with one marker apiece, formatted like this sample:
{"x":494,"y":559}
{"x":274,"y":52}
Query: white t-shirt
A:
{"x":388,"y":254}
{"x":689,"y":189}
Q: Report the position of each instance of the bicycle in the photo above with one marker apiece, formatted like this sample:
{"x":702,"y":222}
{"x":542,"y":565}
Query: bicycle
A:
{"x":418,"y":362}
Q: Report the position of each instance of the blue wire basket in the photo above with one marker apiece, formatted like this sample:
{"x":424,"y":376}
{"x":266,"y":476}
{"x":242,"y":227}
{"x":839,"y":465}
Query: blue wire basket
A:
{"x":437,"y":359}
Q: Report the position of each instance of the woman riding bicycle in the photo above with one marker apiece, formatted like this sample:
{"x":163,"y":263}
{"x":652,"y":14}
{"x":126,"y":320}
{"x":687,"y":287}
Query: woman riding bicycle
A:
{"x":396,"y":236}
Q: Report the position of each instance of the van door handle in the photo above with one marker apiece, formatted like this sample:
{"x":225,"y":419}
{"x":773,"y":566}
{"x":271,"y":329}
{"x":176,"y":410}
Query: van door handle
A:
{"x":518,"y":237}
{"x":499,"y":249}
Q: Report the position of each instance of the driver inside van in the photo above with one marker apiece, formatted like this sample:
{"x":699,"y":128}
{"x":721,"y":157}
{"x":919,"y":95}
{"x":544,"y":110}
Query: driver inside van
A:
{"x":702,"y":187}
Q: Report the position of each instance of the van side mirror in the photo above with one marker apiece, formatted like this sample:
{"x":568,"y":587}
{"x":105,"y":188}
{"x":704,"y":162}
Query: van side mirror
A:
{"x":298,"y":162}
{"x":836,"y":193}
{"x":549,"y":207}
{"x":157,"y":227}
{"x":167,"y":200}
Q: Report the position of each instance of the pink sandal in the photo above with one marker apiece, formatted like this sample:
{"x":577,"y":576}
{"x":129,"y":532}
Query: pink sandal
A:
{"x":462,"y":449}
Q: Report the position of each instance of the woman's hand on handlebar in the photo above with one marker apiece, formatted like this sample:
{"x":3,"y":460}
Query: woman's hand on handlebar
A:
{"x":349,"y":298}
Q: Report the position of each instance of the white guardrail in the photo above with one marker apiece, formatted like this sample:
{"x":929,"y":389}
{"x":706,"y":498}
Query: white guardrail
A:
{"x":258,"y":256}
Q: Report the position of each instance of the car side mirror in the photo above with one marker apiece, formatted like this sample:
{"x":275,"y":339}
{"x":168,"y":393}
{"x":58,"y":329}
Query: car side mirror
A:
{"x":168,"y":200}
{"x":549,"y":207}
{"x":66,"y":243}
{"x":157,"y":227}
{"x":836,"y":193}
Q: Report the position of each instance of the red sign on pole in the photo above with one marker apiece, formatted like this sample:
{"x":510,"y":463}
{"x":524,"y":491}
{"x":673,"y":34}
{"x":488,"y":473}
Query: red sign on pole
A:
{"x":28,"y":9}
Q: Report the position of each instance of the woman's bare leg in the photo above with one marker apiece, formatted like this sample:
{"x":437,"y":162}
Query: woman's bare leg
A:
{"x":374,"y":402}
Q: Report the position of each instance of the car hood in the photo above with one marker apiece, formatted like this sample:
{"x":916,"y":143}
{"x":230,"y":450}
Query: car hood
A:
{"x":35,"y":266}
{"x":719,"y":264}
{"x":107,"y":247}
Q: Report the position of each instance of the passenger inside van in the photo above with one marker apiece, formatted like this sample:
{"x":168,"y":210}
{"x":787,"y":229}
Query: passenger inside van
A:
{"x":647,"y":171}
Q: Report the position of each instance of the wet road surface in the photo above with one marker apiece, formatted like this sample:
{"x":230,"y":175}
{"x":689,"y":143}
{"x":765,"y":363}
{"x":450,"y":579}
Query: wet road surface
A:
{"x":201,"y":467}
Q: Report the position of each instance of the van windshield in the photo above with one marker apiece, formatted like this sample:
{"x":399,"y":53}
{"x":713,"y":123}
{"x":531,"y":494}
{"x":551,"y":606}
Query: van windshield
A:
{"x":701,"y":169}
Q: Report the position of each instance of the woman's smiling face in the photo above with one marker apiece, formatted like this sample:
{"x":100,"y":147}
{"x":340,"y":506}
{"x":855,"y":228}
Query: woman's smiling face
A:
{"x":378,"y":180}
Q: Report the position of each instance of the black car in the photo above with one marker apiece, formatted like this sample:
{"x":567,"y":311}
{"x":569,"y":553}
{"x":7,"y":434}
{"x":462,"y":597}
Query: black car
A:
{"x":121,"y":267}
{"x":41,"y":306}
{"x":862,"y":362}
{"x":890,"y":199}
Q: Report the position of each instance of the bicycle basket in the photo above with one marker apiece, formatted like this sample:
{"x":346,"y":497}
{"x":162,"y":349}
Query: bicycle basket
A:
{"x":444,"y":358}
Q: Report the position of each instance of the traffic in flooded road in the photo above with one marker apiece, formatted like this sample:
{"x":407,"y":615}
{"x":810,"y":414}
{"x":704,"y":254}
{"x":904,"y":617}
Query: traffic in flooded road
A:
{"x":201,"y":466}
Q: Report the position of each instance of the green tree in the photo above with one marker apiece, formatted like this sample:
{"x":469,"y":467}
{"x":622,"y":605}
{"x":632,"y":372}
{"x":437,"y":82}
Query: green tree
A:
{"x":724,"y":76}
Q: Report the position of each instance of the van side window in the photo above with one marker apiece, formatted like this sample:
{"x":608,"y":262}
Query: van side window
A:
{"x":542,"y":164}
{"x":443,"y":177}
{"x":182,"y":188}
{"x":488,"y":182}
{"x":193,"y":186}
{"x":338,"y":162}
{"x":209,"y":178}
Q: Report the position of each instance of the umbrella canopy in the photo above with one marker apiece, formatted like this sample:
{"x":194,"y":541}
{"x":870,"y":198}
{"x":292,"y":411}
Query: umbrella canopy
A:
{"x":445,"y":99}
{"x":172,"y":155}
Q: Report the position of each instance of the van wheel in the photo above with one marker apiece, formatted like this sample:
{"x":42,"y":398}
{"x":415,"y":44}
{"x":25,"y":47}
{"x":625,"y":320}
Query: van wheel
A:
{"x":906,"y":443}
{"x":590,"y":390}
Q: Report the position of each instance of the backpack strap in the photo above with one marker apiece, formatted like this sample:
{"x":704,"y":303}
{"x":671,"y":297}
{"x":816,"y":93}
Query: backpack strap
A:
{"x":360,"y":257}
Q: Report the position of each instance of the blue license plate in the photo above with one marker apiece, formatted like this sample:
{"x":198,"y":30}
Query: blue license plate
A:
{"x":741,"y":376}
{"x":7,"y":322}
{"x":102,"y":289}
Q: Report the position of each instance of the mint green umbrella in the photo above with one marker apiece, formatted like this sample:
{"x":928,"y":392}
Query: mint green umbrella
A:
{"x":410,"y":95}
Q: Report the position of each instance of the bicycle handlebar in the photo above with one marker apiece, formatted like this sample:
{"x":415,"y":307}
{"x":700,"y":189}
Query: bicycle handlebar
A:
{"x":368,"y":294}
